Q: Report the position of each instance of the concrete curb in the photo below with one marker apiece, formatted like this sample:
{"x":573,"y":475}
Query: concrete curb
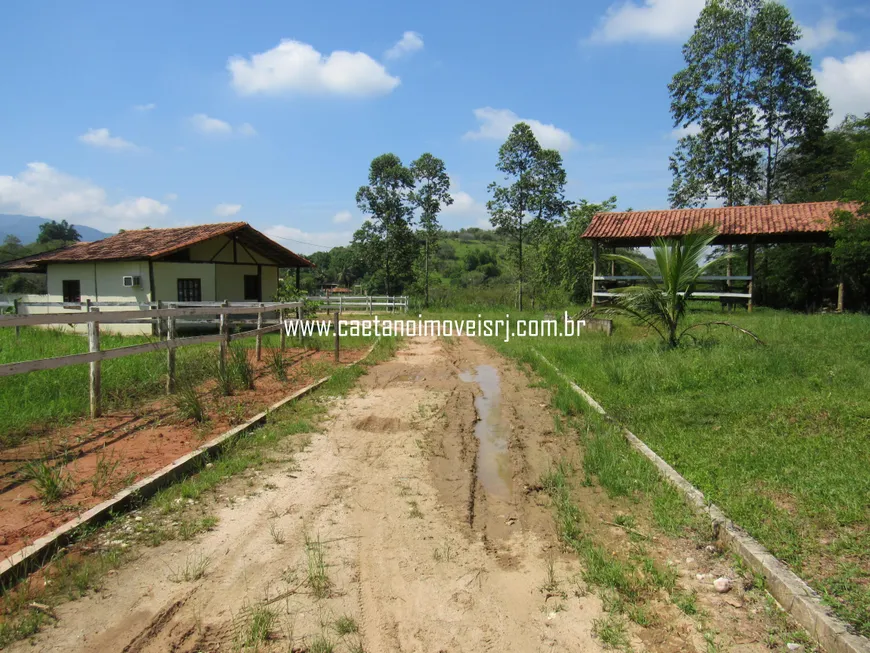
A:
{"x":793,"y":594}
{"x":32,"y":557}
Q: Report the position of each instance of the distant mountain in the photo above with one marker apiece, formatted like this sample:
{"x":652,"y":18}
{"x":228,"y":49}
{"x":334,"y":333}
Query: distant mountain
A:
{"x":26,"y":227}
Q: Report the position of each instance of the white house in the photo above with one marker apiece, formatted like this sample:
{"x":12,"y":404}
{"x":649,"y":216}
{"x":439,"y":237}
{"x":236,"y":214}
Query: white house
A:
{"x":213,"y":262}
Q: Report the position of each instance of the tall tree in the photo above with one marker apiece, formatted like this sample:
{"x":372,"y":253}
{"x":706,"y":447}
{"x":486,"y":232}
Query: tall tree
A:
{"x":53,"y":230}
{"x":534,"y":196}
{"x":819,"y":168}
{"x":387,"y":239}
{"x":790,"y":108}
{"x":432,"y":192}
{"x":746,"y":94}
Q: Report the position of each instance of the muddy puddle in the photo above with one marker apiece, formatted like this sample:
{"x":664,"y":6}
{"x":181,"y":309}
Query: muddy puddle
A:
{"x":493,"y":461}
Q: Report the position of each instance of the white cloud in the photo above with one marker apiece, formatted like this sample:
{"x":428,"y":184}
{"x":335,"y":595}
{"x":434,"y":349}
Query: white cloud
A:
{"x":496,"y":124}
{"x":145,"y":107}
{"x":103,"y":139}
{"x":170,"y":197}
{"x":296,"y":67}
{"x":226,"y":210}
{"x":47,"y":192}
{"x":246,"y":129}
{"x":691,"y":129}
{"x":305,"y":242}
{"x":408,"y":44}
{"x":342,"y":216}
{"x":208,"y":125}
{"x":822,"y":34}
{"x":465,"y":210}
{"x":205,"y":124}
{"x":845,"y":83}
{"x":650,"y":20}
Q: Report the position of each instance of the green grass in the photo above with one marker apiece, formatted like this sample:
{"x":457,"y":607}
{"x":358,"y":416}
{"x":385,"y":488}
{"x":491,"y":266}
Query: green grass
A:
{"x":778,"y":436}
{"x":37,"y":400}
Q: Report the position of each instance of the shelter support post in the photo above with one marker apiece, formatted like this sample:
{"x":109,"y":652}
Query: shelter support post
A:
{"x":750,"y":260}
{"x":841,"y":292}
{"x":729,"y":271}
{"x":594,"y":268}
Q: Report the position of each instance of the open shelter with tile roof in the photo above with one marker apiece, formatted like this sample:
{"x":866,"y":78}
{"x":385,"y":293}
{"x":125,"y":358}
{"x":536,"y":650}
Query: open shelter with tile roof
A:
{"x":736,"y":225}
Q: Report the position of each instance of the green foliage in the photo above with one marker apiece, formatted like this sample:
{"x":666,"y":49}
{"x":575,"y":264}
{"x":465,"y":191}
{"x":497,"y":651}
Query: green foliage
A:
{"x":820,"y":167}
{"x":287,"y":292}
{"x":54,"y":230}
{"x":278,"y":364}
{"x":188,"y":403}
{"x":431,"y":193}
{"x":749,"y":94}
{"x":663,"y":307}
{"x":532,"y":199}
{"x":11,"y":249}
{"x":386,"y":240}
{"x":851,"y":233}
{"x":51,"y":481}
{"x":241,"y":367}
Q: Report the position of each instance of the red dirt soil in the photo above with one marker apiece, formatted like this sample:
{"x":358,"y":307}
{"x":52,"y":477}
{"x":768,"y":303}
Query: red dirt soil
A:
{"x":132,"y":445}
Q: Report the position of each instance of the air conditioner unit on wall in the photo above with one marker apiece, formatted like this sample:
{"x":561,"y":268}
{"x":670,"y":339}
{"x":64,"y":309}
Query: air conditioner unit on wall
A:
{"x":131,"y":282}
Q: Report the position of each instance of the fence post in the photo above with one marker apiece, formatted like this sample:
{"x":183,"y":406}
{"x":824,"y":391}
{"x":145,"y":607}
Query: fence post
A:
{"x":159,"y":320}
{"x":340,"y":307}
{"x":259,"y":339}
{"x":369,"y":299}
{"x":282,"y":330}
{"x":170,"y":355}
{"x":406,"y":304}
{"x":15,"y":310}
{"x":335,"y":328}
{"x":225,"y":339}
{"x":94,"y":376}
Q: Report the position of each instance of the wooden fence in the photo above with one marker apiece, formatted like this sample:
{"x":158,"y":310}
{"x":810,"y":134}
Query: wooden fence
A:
{"x":93,"y":317}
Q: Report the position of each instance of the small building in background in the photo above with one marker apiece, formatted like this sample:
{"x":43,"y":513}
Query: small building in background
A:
{"x":205,"y":263}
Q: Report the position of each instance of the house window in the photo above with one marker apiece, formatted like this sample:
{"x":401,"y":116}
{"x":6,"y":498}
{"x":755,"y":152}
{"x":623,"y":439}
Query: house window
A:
{"x":252,"y":288}
{"x":189,"y":290}
{"x":72,"y":291}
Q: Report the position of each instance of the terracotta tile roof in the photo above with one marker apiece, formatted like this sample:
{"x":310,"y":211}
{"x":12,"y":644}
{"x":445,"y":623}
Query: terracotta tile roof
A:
{"x":155,"y":243}
{"x":774,"y":219}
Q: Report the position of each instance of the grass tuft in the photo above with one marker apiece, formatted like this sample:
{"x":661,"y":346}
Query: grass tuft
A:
{"x":52,"y":482}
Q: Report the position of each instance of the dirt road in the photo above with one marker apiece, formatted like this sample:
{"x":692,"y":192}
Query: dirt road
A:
{"x":409,"y":524}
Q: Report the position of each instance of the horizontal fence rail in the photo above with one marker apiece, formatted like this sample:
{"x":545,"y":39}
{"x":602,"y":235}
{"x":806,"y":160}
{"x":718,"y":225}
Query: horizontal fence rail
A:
{"x":366,"y":302}
{"x":168,"y":316}
{"x":699,"y":295}
{"x":632,"y":277}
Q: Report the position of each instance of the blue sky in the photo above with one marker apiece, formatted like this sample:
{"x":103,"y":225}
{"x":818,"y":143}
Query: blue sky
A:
{"x":122,"y":115}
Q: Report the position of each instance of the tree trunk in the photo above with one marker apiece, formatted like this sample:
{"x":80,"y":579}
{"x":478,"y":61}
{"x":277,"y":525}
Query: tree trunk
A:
{"x":426,"y":304}
{"x":521,"y":263}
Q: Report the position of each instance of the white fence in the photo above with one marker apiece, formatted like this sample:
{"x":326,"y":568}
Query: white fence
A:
{"x":365,"y":303}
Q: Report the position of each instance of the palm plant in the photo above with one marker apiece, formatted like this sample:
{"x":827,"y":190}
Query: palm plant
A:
{"x":662,"y":306}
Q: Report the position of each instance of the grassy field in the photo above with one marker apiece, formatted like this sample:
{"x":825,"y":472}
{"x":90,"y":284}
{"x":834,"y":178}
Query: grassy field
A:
{"x":776,"y":435}
{"x":30,"y":402}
